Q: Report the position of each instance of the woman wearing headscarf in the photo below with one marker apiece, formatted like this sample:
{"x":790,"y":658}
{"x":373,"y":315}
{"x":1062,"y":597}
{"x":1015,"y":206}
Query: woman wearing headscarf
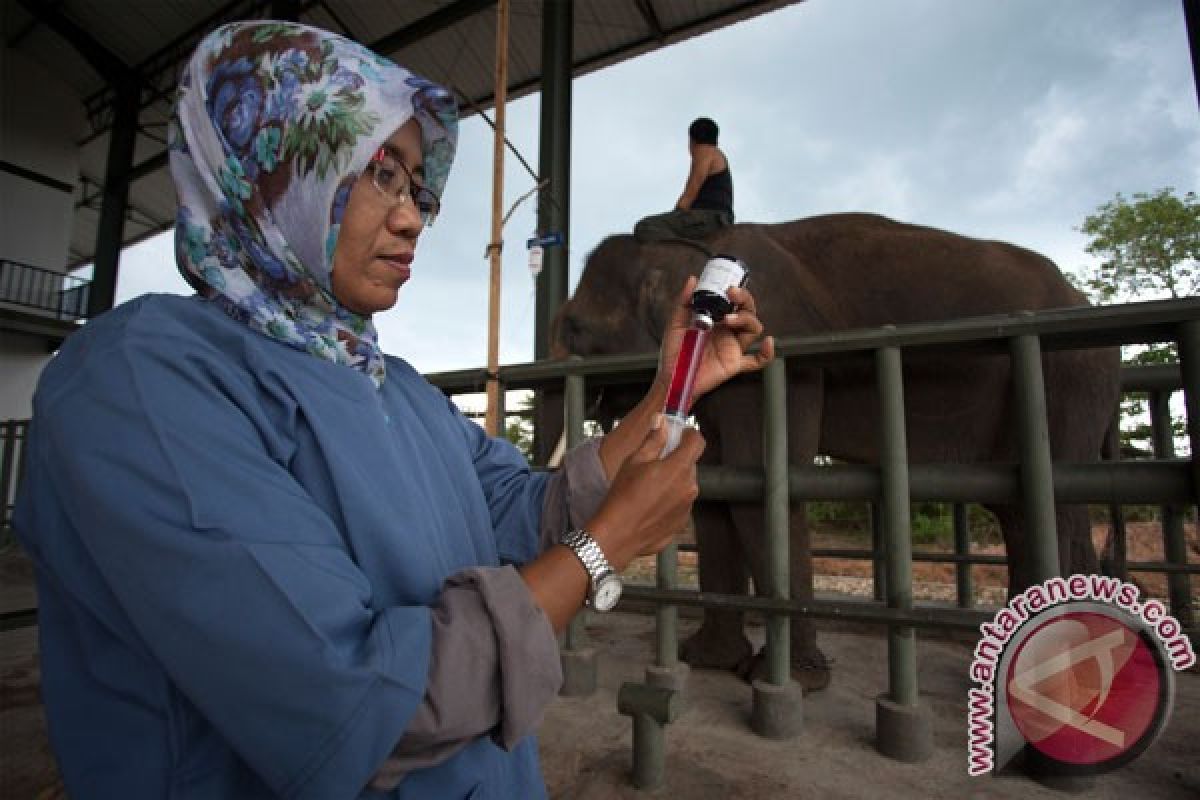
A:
{"x":271,"y":560}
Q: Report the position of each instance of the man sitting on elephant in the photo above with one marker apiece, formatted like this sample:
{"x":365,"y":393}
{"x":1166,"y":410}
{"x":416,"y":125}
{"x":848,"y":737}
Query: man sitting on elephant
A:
{"x":706,"y":204}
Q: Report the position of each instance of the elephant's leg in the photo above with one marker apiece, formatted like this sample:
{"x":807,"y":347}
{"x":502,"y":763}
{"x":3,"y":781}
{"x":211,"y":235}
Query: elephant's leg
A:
{"x":1076,"y":554}
{"x":721,"y":642}
{"x":744,"y":448}
{"x":1013,"y":528}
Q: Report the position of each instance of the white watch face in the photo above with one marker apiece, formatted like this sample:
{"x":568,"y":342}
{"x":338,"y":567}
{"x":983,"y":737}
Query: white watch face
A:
{"x":608,"y":592}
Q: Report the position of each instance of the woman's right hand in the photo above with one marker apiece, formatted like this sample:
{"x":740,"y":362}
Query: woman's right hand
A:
{"x":650,"y":498}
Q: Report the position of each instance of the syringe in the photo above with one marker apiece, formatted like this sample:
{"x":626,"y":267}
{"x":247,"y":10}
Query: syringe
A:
{"x":710,"y":304}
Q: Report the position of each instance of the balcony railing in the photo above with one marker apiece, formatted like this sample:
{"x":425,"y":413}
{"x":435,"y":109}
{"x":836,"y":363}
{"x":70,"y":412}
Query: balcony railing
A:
{"x":51,"y":293}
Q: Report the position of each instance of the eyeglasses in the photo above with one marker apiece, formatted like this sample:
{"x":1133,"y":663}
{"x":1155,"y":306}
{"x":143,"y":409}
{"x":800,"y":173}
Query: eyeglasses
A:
{"x":397,"y":186}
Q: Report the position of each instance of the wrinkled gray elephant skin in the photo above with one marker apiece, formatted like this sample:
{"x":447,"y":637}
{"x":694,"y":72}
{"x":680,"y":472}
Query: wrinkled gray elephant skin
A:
{"x":829,"y":273}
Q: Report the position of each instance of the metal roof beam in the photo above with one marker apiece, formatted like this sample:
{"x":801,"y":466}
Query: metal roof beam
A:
{"x":151,"y":164}
{"x":328,"y":9}
{"x":429,"y":25}
{"x":112,"y":68}
{"x":30,"y":26}
{"x":1191,"y":20}
{"x":646,"y":8}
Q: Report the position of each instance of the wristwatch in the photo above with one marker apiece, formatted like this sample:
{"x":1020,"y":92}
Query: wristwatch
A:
{"x":605,"y":588}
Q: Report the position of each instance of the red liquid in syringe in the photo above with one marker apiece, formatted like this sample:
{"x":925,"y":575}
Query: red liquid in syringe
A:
{"x":683,"y":379}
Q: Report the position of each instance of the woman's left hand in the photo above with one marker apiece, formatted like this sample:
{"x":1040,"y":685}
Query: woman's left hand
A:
{"x":725,"y":347}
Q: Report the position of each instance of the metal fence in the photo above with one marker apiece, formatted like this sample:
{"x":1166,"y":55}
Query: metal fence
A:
{"x":55,"y":293}
{"x":1036,"y":482}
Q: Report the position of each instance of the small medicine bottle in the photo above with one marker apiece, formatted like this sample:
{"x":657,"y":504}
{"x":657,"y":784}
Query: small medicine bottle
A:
{"x":710,"y":300}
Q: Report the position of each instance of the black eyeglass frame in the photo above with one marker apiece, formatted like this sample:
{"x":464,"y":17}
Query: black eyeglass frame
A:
{"x":428,"y":204}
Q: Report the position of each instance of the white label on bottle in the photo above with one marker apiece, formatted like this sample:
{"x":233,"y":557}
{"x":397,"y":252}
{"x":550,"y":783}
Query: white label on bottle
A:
{"x":719,"y":274}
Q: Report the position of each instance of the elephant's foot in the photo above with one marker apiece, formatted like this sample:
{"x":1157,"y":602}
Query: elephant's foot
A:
{"x":811,"y":671}
{"x":709,"y":649}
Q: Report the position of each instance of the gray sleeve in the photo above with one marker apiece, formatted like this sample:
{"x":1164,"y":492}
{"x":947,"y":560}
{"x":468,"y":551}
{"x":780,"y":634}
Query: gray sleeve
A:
{"x":574,"y":492}
{"x":493,"y":670}
{"x":486,"y":624}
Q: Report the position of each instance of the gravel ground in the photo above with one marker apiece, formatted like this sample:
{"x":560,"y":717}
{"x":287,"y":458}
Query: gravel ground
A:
{"x":713,"y":755}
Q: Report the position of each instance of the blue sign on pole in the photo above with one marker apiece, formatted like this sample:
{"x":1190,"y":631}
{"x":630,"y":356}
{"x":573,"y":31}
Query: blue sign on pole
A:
{"x":547,"y":240}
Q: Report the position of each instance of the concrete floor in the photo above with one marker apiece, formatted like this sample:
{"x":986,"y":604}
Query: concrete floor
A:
{"x":711,"y":752}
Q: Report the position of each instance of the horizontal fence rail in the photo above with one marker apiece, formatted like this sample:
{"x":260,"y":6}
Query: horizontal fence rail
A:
{"x":1064,"y":329}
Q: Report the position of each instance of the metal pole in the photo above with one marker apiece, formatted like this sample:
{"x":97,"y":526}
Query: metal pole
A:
{"x":573,"y":392}
{"x":554,"y":165}
{"x":492,"y":422}
{"x":111,"y":228}
{"x":777,"y":516}
{"x":1174,"y":545}
{"x":902,"y":652}
{"x":1191,"y":16}
{"x":1189,"y":365}
{"x":1037,"y":477}
{"x":578,"y":660}
{"x":962,"y":546}
{"x":667,"y":616}
{"x":1118,"y":566}
{"x":878,"y":553}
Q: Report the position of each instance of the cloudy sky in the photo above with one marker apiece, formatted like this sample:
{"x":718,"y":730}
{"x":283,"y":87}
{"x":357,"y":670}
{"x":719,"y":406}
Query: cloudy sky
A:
{"x":1010,"y":120}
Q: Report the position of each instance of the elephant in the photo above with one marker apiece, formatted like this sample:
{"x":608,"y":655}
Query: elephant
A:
{"x":828,"y":273}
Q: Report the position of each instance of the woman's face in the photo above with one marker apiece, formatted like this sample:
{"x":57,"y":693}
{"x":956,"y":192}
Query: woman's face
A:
{"x":378,"y":236}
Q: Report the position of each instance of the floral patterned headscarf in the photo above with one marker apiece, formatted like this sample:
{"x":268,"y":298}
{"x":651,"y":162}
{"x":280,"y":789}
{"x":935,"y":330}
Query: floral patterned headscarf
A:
{"x":274,"y":123}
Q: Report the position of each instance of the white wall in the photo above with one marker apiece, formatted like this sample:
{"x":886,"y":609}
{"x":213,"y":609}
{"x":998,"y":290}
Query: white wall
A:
{"x":41,"y":120}
{"x":21,"y":360}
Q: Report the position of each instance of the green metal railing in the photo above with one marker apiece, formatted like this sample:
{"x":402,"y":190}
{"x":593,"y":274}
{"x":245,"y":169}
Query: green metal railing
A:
{"x":1036,"y":482}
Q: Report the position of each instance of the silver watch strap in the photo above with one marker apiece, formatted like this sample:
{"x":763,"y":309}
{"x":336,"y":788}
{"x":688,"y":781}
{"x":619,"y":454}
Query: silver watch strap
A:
{"x":589,"y":553}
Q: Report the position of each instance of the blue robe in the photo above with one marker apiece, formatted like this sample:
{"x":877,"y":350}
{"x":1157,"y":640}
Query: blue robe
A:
{"x":237,"y":546}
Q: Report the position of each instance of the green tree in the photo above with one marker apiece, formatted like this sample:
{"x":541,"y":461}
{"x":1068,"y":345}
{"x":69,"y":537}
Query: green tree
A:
{"x":518,"y":428}
{"x":1149,"y":247}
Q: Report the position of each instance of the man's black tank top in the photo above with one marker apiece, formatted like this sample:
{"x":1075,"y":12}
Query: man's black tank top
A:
{"x":716,"y":193}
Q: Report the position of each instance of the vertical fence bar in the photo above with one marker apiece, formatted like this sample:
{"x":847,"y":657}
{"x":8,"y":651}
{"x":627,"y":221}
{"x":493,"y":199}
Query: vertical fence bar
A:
{"x":8,"y":461}
{"x":1179,"y":589}
{"x":902,"y":668}
{"x":578,"y":661}
{"x":667,"y":654}
{"x":902,"y":730}
{"x":878,"y":553}
{"x":573,"y":391}
{"x":964,"y":589}
{"x":1118,"y":563}
{"x":776,"y":513}
{"x":1037,"y":475}
{"x":668,"y":672}
{"x":1189,"y":365}
{"x":777,"y":710}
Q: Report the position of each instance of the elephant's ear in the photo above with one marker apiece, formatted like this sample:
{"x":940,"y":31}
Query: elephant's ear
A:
{"x":652,"y":303}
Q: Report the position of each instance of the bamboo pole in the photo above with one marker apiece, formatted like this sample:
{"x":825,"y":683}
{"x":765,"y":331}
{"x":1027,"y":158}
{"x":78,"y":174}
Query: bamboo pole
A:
{"x":492,"y":421}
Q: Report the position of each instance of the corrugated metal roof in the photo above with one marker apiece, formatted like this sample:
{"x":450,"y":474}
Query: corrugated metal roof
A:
{"x":449,"y":41}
